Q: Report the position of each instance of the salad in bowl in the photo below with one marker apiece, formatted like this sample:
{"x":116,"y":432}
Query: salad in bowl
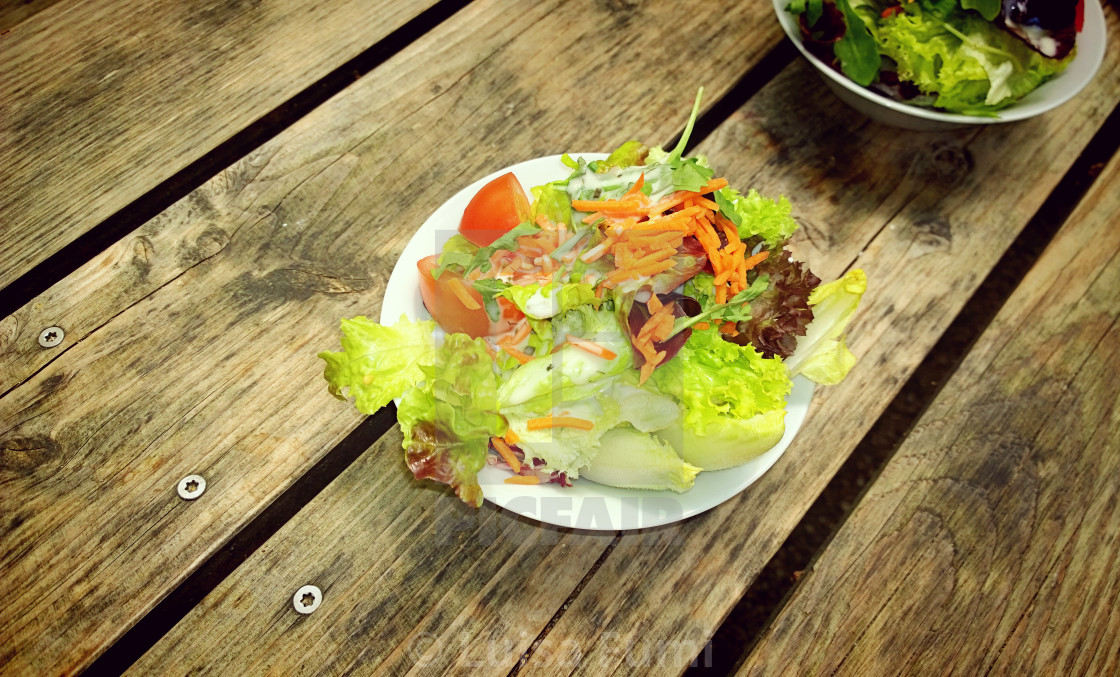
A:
{"x":950,"y":60}
{"x":633,"y":323}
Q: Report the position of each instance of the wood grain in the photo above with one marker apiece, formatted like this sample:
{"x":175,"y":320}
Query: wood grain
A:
{"x":910,"y":205}
{"x":12,"y":13}
{"x":191,"y":344}
{"x":988,"y":543}
{"x":101,"y":105}
{"x":926,"y":216}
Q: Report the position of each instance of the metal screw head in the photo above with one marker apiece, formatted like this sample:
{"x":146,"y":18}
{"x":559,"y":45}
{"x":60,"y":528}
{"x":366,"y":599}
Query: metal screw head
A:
{"x":51,"y":337}
{"x":307,"y":599}
{"x":191,"y":487}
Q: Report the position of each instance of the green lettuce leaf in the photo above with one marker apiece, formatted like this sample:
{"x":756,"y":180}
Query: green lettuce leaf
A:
{"x":551,"y":201}
{"x":457,"y":254}
{"x":628,"y":154}
{"x":969,"y":65}
{"x":733,"y":400}
{"x":636,"y":460}
{"x":542,"y":302}
{"x":754,"y":215}
{"x":379,"y":363}
{"x":448,"y":420}
{"x":821,"y":354}
{"x":713,"y":378}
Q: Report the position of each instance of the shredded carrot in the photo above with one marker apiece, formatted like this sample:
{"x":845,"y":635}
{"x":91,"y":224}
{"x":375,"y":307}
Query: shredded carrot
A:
{"x":517,"y":354}
{"x":592,"y":347}
{"x":523,"y":479}
{"x":559,"y":422}
{"x":511,"y":436}
{"x":758,"y":258}
{"x":654,"y":304}
{"x":713,"y":185}
{"x":729,"y":329}
{"x":637,"y":187}
{"x":701,"y":325}
{"x":521,"y":334}
{"x":460,"y":291}
{"x":503,"y":449}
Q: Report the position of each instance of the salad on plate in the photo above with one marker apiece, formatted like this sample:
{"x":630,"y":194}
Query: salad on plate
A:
{"x":635,"y":323}
{"x":974,"y":57}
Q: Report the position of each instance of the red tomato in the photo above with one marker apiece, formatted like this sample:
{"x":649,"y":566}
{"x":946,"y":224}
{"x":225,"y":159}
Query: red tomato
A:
{"x":497,"y":208}
{"x":451,"y":313}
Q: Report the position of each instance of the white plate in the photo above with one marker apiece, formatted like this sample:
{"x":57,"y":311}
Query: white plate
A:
{"x":584,"y":505}
{"x":1091,"y":43}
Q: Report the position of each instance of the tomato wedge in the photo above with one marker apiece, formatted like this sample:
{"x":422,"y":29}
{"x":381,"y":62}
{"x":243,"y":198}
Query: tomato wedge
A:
{"x":444,"y":299}
{"x":496,"y":208}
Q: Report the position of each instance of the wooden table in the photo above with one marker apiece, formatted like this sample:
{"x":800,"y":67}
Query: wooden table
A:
{"x":193,"y":193}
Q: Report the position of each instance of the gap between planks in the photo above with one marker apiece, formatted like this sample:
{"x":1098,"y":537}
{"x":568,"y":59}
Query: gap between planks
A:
{"x":82,"y":249}
{"x":766,"y":596}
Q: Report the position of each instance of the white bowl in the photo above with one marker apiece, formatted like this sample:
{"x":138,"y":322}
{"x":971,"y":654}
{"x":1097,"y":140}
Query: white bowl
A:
{"x":1055,"y":92}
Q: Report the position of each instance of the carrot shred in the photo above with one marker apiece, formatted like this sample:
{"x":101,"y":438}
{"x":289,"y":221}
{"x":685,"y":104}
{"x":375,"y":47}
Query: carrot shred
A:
{"x":559,"y":422}
{"x":511,"y":436}
{"x":592,"y":347}
{"x":523,"y":479}
{"x":460,"y":291}
{"x":517,"y":354}
{"x":758,"y":258}
{"x":701,"y":325}
{"x":506,"y":453}
{"x":713,"y":185}
{"x":522,"y":332}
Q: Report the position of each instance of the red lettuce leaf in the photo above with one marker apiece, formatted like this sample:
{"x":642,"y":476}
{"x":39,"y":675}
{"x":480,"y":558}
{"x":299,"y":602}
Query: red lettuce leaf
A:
{"x":780,"y":314}
{"x":683,"y":306}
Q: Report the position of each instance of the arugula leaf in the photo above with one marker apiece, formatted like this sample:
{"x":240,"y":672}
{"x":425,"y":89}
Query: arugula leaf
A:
{"x":457,"y":254}
{"x":857,"y":52}
{"x":738,"y":307}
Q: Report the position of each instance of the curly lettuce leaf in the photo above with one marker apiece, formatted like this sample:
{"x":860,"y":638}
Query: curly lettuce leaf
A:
{"x":733,"y":400}
{"x":755,"y":215}
{"x":821,"y":354}
{"x":713,"y":378}
{"x":447,"y":421}
{"x":969,"y":65}
{"x":551,"y":201}
{"x":781,"y":313}
{"x":379,"y":363}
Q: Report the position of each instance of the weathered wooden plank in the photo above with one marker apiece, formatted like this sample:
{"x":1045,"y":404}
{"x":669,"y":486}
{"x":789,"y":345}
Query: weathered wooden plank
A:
{"x":926,"y":216}
{"x":191,"y":345}
{"x":13,"y":13}
{"x":988,"y":543}
{"x":101,"y":105}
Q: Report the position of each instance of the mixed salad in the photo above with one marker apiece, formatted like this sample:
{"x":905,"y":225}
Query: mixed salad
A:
{"x":963,"y":56}
{"x":637,"y":322}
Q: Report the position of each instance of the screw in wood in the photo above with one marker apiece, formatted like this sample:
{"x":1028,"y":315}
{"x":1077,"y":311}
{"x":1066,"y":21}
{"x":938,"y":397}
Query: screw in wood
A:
{"x":307,"y":599}
{"x":191,"y":487}
{"x":51,"y":337}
